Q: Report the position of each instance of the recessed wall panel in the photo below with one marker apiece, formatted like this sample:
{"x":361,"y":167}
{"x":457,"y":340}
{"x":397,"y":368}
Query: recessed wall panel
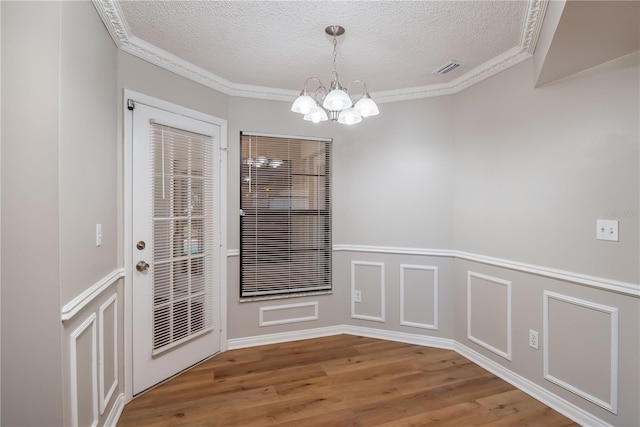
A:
{"x":419,"y":296}
{"x":579,"y":330}
{"x":489,"y":313}
{"x":288,"y":313}
{"x":84,"y":357}
{"x":367,"y":281}
{"x":108,"y":337}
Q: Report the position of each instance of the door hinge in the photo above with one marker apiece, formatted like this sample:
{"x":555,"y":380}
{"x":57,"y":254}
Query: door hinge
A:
{"x":241,"y":212}
{"x":130,"y":104}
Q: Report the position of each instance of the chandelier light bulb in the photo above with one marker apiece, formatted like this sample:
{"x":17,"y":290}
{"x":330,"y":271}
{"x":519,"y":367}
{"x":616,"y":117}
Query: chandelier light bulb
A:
{"x":317,"y":115}
{"x":366,"y":107}
{"x":349,"y":117}
{"x":303,"y":104}
{"x":337,"y":100}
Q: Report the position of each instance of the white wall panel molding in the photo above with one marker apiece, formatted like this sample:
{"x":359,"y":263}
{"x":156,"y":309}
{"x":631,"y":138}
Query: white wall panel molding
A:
{"x":115,"y":412}
{"x":625,"y":288}
{"x":89,"y":323}
{"x":403,"y":296}
{"x":612,"y":404}
{"x":113,"y":19}
{"x":266,"y":309}
{"x":106,"y":395}
{"x":354,"y":315}
{"x":550,"y":399}
{"x":78,"y":303}
{"x":506,"y":352}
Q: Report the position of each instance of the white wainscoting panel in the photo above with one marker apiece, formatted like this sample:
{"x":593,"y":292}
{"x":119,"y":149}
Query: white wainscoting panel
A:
{"x":580,"y":316}
{"x":428,"y":280}
{"x":296,"y":308}
{"x":108,"y":315}
{"x":367,"y":295}
{"x":88,"y":325}
{"x":495,"y":307}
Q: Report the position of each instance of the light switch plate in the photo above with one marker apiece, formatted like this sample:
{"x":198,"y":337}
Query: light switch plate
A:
{"x":607,"y":229}
{"x":98,"y":234}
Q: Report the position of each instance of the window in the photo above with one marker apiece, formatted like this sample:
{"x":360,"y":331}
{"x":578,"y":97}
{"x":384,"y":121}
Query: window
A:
{"x":285,"y":224}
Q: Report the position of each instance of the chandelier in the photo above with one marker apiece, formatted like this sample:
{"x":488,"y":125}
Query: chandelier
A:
{"x":336,"y":104}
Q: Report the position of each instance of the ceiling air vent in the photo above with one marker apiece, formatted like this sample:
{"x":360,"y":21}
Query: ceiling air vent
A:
{"x":449,"y":66}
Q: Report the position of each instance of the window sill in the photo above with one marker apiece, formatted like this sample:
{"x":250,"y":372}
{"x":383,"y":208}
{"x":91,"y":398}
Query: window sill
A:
{"x":284,"y":296}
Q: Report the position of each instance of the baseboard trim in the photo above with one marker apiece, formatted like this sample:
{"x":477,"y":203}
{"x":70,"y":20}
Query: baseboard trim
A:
{"x":116,"y":411}
{"x":236,"y":343}
{"x":564,"y":407}
{"x":555,"y":402}
{"x":403,"y":337}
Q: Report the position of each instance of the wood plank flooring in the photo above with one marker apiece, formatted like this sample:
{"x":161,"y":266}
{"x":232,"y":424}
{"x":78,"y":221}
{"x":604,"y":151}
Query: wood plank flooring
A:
{"x":338,"y":381}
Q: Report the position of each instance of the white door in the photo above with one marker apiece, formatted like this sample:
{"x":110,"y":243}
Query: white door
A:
{"x":176,"y":244}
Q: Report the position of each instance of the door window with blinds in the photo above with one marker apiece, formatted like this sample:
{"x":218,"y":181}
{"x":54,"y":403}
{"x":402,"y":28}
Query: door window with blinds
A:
{"x":285,"y":224}
{"x":182,"y":228}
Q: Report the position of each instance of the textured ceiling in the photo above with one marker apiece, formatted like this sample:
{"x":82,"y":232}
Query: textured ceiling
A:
{"x":391,"y":45}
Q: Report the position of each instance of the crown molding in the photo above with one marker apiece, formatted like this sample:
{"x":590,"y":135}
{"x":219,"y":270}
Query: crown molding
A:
{"x":113,"y":19}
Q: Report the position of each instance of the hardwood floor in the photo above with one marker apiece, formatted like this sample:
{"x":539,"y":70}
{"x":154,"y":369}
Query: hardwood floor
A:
{"x":338,"y":381}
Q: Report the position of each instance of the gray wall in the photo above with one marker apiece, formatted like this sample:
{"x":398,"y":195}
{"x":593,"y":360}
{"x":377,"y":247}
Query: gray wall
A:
{"x":59,"y":169}
{"x":88,"y":164}
{"x":393,"y":185}
{"x":88,"y":142}
{"x":535,"y":168}
{"x":30,"y":218}
{"x":393,"y":177}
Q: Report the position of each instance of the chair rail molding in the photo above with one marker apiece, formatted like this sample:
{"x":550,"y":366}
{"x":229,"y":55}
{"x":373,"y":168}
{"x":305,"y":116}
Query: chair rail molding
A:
{"x":618,"y":286}
{"x":72,"y":308}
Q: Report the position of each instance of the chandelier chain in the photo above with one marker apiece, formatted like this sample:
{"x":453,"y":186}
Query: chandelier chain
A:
{"x":335,"y":53}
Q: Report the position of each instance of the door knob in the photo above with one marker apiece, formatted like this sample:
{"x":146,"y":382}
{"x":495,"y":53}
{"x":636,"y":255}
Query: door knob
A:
{"x":142,"y":266}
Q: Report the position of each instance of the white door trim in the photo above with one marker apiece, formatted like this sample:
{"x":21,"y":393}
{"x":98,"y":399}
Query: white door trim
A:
{"x":128,"y":221}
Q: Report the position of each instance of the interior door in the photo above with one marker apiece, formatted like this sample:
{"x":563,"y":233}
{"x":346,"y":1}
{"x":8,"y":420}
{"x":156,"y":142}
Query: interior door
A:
{"x":176,"y":239}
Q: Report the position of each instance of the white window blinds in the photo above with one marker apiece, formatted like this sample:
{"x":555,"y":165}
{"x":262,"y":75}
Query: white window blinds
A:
{"x":285,"y":227}
{"x":183,"y":227}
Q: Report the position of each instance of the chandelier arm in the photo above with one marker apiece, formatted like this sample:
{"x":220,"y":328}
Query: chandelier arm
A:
{"x":365,"y":93}
{"x":305,"y":91}
{"x":321,"y":92}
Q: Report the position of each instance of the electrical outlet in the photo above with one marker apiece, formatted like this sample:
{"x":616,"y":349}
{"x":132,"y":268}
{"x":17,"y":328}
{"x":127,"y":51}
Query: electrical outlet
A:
{"x":533,"y":339}
{"x":357,"y":297}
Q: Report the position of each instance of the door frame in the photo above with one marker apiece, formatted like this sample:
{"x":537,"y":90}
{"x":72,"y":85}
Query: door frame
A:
{"x":127,"y":250}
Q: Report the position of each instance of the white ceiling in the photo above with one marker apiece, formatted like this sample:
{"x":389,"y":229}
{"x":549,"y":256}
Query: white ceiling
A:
{"x":266,"y":49}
